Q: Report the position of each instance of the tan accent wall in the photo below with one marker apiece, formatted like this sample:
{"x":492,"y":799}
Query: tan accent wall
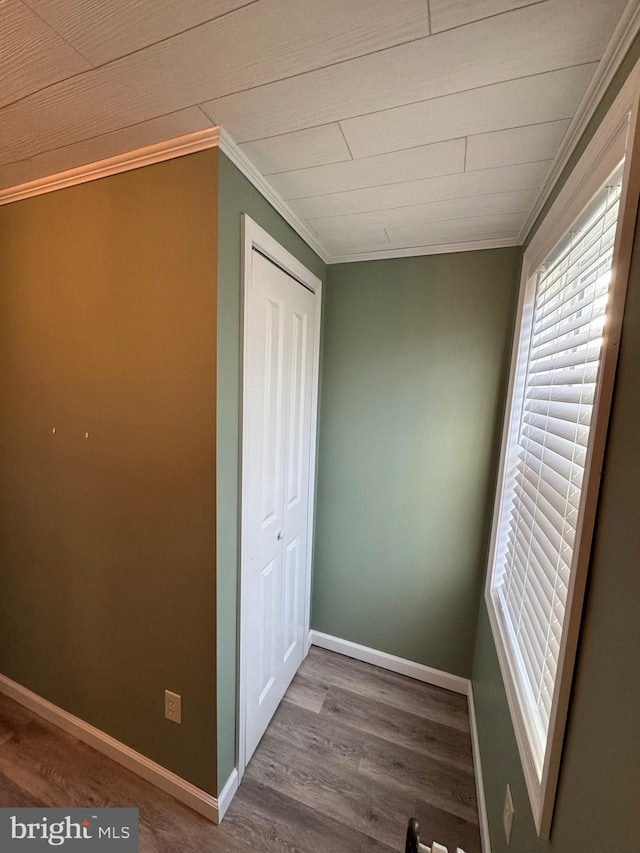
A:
{"x":107,"y":542}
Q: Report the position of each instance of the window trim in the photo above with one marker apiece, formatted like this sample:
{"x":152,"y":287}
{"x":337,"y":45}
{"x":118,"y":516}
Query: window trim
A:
{"x":617,"y":136}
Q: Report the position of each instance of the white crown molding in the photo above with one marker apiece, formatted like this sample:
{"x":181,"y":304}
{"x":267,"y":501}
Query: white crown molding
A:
{"x":242,"y":162}
{"x":439,"y":249}
{"x":419,"y":671}
{"x":197,"y":799}
{"x":477,"y":768}
{"x":156,"y":153}
{"x":619,"y":43}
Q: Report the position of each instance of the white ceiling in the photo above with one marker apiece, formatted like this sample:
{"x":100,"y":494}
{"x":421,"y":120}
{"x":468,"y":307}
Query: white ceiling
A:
{"x":386,"y":126}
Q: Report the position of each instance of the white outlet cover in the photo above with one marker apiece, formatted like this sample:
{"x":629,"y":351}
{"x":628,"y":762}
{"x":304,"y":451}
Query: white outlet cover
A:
{"x":507,"y":814}
{"x":173,"y":706}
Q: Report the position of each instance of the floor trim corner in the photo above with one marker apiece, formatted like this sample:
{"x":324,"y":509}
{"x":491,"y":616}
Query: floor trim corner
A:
{"x":391,"y":662}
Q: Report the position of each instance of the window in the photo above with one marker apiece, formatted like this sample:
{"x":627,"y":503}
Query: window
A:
{"x":562,"y":376}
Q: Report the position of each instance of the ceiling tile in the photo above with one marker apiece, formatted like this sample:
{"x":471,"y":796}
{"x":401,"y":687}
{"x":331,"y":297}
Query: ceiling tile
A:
{"x":103,"y":30}
{"x":528,"y":176}
{"x":544,"y":97}
{"x":373,"y":240}
{"x":100,"y":147}
{"x":33,"y":56}
{"x":519,"y":145}
{"x":439,"y":159}
{"x":551,"y":35}
{"x":316,"y":146}
{"x":446,"y":14}
{"x":503,"y":226}
{"x":439,"y":211}
{"x":209,"y":61}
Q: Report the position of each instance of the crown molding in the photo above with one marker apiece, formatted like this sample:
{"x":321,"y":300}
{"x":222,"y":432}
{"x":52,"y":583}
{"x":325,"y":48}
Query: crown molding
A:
{"x":619,"y":43}
{"x":199,"y":140}
{"x":414,"y":251}
{"x":242,"y":162}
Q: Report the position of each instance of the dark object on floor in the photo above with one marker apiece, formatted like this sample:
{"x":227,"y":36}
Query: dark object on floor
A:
{"x":413,"y":837}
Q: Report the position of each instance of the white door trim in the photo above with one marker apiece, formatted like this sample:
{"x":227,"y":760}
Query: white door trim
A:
{"x":255,"y":237}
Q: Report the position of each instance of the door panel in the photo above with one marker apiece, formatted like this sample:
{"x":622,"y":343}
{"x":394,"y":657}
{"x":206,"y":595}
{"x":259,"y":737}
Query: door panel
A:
{"x":268,"y":602}
{"x":278,"y":403}
{"x":292,"y":580}
{"x":272,"y":414}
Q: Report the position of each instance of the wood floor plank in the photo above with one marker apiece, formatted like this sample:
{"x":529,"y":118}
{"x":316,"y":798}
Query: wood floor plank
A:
{"x":306,"y":693}
{"x":336,"y":792}
{"x":371,"y":682}
{"x":12,"y":795}
{"x":395,"y":767}
{"x":400,"y":727}
{"x":271,"y":822}
{"x":319,"y":735}
{"x":445,"y":787}
{"x":451,"y":831}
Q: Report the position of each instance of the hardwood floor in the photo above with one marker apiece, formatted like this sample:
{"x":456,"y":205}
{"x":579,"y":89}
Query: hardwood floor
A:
{"x":352,"y":752}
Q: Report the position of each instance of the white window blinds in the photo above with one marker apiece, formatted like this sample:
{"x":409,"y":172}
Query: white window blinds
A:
{"x":554,"y":393}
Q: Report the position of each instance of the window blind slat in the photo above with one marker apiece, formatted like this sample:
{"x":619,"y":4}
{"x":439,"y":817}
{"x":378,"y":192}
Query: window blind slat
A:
{"x":584,"y":259}
{"x":565,"y":411}
{"x":573,"y":338}
{"x":571,"y":358}
{"x":563,"y":394}
{"x":572,"y":432}
{"x":537,"y":471}
{"x":537,"y":552}
{"x":572,"y":324}
{"x":606,"y":211}
{"x":573,"y":452}
{"x":549,"y":458}
{"x":556,"y":516}
{"x":590,"y":294}
{"x":565,"y":377}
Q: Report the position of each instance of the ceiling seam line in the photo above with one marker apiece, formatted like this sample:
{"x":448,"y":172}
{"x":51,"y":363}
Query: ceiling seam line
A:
{"x":490,"y":17}
{"x":106,"y":133}
{"x":227,"y":94}
{"x":409,"y":147}
{"x":387,"y":109}
{"x":420,"y":204}
{"x":396,"y":150}
{"x":60,"y":36}
{"x":345,"y":142}
{"x":201,"y":104}
{"x":413,"y":180}
{"x":483,"y":217}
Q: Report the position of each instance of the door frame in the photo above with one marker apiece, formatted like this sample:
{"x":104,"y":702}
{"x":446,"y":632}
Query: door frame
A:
{"x":255,"y":237}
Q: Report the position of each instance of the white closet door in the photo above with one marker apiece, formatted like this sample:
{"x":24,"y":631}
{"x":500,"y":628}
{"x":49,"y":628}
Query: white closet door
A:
{"x":278,"y":397}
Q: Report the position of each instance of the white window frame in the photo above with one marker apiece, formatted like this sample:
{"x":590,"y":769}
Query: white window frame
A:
{"x":616,"y":138}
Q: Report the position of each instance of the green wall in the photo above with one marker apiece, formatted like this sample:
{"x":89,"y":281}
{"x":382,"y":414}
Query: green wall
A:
{"x":599,"y":785}
{"x":414,"y":365}
{"x":236,"y":195}
{"x":107,"y":544}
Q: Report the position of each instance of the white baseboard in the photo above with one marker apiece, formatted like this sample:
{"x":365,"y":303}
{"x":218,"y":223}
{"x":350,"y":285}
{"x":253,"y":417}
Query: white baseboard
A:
{"x":477,"y":766}
{"x":391,"y":662}
{"x":197,"y":799}
{"x":227,"y":793}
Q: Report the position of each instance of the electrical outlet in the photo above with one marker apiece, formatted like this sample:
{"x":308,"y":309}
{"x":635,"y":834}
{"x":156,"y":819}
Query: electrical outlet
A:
{"x":507,"y":814}
{"x":173,"y":706}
